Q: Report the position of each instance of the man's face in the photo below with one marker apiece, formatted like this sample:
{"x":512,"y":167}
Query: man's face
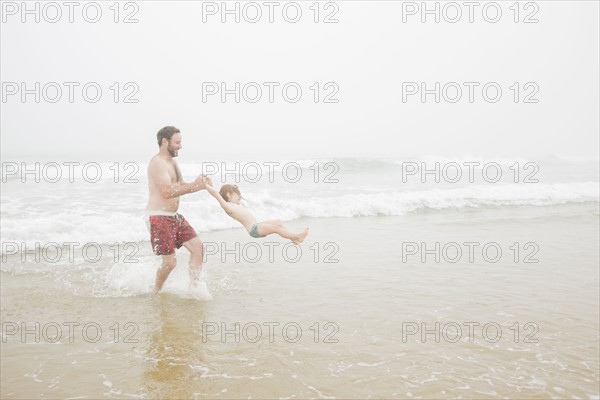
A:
{"x":174,"y":145}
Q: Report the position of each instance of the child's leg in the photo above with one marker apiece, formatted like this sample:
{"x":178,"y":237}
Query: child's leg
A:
{"x":273,"y":222}
{"x":265,"y":229}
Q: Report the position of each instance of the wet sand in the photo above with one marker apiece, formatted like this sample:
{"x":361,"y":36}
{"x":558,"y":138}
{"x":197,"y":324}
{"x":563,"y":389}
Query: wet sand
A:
{"x":315,"y":329}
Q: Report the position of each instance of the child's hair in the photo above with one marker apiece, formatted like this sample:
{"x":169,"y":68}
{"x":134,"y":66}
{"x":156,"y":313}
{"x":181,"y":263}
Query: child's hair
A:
{"x":228,"y":189}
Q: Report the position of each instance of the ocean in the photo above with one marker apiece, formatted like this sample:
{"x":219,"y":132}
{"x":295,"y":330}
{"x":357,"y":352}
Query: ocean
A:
{"x":424,"y":277}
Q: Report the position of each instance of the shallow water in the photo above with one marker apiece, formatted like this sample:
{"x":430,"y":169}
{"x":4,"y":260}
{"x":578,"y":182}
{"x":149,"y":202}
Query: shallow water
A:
{"x":361,"y":319}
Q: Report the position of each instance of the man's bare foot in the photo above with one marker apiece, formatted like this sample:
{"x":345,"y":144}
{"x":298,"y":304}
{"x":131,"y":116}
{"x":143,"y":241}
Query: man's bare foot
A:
{"x":199,"y":291}
{"x":301,"y":236}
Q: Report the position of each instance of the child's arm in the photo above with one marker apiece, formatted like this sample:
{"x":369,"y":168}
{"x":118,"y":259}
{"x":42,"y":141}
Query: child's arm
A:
{"x":224,"y":204}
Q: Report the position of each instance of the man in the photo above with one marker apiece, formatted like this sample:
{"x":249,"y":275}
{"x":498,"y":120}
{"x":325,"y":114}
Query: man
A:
{"x":168,"y":229}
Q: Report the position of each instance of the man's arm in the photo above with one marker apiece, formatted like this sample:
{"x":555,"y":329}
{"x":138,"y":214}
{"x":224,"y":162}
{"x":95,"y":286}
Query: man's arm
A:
{"x":161,"y":178}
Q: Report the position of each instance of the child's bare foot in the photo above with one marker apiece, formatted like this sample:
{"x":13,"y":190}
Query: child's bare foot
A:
{"x":301,"y":236}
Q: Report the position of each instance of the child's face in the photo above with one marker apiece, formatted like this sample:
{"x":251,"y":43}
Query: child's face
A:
{"x":235,"y":197}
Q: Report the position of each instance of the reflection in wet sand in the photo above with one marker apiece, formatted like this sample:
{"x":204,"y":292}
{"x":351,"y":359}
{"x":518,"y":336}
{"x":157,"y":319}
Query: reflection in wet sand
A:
{"x":174,"y":348}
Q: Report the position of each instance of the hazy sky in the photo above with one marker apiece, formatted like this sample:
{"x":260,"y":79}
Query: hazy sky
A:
{"x":366,"y":56}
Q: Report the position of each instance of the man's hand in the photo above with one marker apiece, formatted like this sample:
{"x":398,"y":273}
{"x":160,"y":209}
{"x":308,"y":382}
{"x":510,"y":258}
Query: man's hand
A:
{"x":201,"y":181}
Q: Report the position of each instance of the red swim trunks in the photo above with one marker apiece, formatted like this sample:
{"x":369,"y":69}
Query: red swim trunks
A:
{"x":169,"y":232}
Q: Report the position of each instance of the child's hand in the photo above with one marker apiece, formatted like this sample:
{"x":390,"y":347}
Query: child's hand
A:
{"x":202,"y":181}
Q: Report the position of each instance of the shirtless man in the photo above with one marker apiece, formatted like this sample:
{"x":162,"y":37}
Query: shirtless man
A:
{"x":168,"y":229}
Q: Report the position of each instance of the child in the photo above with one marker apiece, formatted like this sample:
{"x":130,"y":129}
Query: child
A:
{"x":229,"y":198}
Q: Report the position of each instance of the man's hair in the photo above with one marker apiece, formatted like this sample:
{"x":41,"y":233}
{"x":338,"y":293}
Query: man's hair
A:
{"x":167,"y":132}
{"x":227,"y":189}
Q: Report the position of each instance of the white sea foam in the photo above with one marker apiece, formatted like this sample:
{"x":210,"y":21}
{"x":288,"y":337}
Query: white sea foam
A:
{"x":108,"y":223}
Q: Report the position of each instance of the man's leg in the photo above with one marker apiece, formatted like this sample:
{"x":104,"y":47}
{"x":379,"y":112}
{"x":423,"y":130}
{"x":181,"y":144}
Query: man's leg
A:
{"x":196,"y":248}
{"x":168,"y":263}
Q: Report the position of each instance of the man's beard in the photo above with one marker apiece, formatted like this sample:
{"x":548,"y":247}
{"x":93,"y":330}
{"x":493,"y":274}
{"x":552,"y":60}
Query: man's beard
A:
{"x":172,"y":151}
